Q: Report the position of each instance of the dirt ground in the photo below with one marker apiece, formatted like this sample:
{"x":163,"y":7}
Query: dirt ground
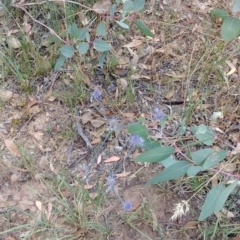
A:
{"x":43,"y":154}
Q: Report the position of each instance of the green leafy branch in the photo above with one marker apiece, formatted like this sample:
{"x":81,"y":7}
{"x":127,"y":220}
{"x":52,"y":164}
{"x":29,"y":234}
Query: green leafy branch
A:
{"x":230,"y":28}
{"x":81,"y":39}
{"x":193,"y":163}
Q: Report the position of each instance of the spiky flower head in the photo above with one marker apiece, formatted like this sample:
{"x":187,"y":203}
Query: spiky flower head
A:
{"x":113,"y":124}
{"x":111,"y":182}
{"x":97,"y":95}
{"x":136,"y":140}
{"x":157,"y":114}
{"x":180,"y":210}
{"x":127,"y":206}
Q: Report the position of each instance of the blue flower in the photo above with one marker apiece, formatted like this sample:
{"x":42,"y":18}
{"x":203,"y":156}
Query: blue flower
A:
{"x":97,"y":95}
{"x":127,"y":206}
{"x":157,"y":114}
{"x":111,"y":182}
{"x":136,"y":140}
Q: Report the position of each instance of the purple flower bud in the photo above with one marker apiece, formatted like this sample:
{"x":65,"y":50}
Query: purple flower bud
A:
{"x":127,"y":206}
{"x":157,"y":114}
{"x":111,"y":182}
{"x":136,"y":140}
{"x":97,"y":95}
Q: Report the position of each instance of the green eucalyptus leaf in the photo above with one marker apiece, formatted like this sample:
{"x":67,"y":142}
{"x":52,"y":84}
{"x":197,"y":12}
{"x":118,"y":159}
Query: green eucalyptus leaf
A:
{"x":102,"y":58}
{"x":169,"y":161}
{"x":138,"y":129}
{"x":122,"y":25}
{"x":236,"y":6}
{"x":202,"y":129}
{"x":143,"y":28}
{"x":113,"y":9}
{"x":194,"y":170}
{"x":138,"y":5}
{"x":150,"y":144}
{"x":82,"y":34}
{"x":59,"y":62}
{"x":67,"y":51}
{"x":204,"y":134}
{"x":214,"y":158}
{"x":101,"y":29}
{"x":175,"y":171}
{"x":221,"y":13}
{"x":82,"y":47}
{"x":73,"y":30}
{"x":209,"y":204}
{"x":230,"y":29}
{"x":155,"y":155}
{"x":224,"y":195}
{"x":199,"y":156}
{"x":128,"y":6}
{"x":101,"y":45}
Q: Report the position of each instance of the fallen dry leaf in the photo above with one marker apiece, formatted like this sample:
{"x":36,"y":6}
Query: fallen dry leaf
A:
{"x":170,"y":94}
{"x":87,"y":80}
{"x":129,"y":115}
{"x":227,"y":213}
{"x":35,"y":109}
{"x":5,"y":95}
{"x":86,"y":117}
{"x":191,"y":224}
{"x":112,"y":159}
{"x":93,"y":195}
{"x":38,"y":205}
{"x":43,"y":163}
{"x":49,"y":211}
{"x":87,"y":187}
{"x":116,"y":93}
{"x":228,"y":167}
{"x":15,"y":178}
{"x":122,"y":83}
{"x":31,"y":103}
{"x":214,"y":180}
{"x":233,"y":68}
{"x":26,"y":26}
{"x":67,"y":194}
{"x":13,"y":42}
{"x":134,"y":60}
{"x":96,"y":141}
{"x":97,"y":122}
{"x":136,"y":204}
{"x":99,"y":159}
{"x":123,"y":174}
{"x":10,"y":238}
{"x":12,"y":147}
{"x":134,"y":43}
{"x":37,"y":135}
{"x":102,"y":7}
{"x":51,"y":99}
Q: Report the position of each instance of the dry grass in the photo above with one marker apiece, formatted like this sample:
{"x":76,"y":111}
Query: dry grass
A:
{"x":40,"y":197}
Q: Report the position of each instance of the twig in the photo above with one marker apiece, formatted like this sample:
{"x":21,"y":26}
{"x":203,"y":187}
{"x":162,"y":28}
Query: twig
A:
{"x":89,"y":168}
{"x":80,"y":131}
{"x":64,"y":1}
{"x":78,"y":160}
{"x":35,"y":20}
